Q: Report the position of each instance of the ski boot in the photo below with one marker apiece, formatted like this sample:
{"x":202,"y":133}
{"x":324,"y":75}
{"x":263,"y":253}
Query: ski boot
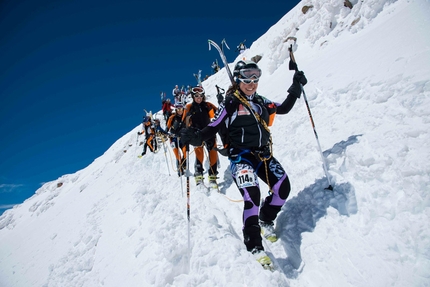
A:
{"x":268,"y":230}
{"x":199,"y":180}
{"x":212,"y":182}
{"x":262,"y":258}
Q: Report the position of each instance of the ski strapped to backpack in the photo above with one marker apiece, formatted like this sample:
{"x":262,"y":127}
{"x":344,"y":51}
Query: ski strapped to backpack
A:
{"x":223,"y":58}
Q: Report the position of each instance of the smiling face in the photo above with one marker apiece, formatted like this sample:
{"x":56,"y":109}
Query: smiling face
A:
{"x":247,"y":74}
{"x":198,"y":98}
{"x":248,"y":89}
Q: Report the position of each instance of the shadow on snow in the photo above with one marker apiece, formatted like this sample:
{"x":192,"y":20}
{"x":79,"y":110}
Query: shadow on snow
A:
{"x":301,"y":213}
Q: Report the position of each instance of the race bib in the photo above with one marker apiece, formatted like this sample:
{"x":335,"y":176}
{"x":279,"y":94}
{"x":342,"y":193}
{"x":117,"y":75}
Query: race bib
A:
{"x":245,"y":176}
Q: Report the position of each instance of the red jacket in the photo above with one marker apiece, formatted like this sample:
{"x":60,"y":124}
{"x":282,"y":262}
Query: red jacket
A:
{"x":167,"y":107}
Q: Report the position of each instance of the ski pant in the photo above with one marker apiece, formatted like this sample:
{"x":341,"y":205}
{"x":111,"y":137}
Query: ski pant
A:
{"x":151,"y":143}
{"x":179,"y":151}
{"x":246,"y":167}
{"x":213,"y":158}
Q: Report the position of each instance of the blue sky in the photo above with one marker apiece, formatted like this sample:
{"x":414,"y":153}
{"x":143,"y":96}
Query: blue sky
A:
{"x":76,"y":75}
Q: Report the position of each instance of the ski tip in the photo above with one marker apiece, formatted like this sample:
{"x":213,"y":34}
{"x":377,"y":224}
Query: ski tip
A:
{"x":267,"y":264}
{"x":271,"y":268}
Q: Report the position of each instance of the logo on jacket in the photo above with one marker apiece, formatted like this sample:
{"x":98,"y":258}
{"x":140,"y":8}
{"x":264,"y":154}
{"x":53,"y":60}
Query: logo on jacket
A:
{"x":242,"y":111}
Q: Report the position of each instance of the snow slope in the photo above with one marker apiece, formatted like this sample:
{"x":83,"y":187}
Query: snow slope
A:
{"x":122,"y":221}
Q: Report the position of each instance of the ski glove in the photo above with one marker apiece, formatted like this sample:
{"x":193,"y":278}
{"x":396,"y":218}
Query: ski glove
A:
{"x":191,"y":136}
{"x":299,"y":80}
{"x":299,"y":77}
{"x":292,"y":66}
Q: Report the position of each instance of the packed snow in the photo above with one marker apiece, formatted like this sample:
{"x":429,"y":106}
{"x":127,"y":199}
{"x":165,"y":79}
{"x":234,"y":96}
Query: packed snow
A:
{"x":122,"y":221}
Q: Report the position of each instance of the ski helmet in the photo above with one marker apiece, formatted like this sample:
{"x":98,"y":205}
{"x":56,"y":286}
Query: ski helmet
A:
{"x":198,"y":90}
{"x":147,"y":120}
{"x":242,"y":65}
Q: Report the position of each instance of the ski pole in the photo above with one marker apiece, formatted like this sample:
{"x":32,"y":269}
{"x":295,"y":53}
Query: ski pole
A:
{"x":165,"y":153}
{"x":188,"y":197}
{"x":294,"y":67}
{"x":182,"y":188}
{"x":188,"y":174}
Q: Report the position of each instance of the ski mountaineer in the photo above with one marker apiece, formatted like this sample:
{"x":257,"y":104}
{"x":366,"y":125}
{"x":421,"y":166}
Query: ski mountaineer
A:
{"x":149,"y":131}
{"x":177,"y":94}
{"x":215,"y":67}
{"x":198,"y":115}
{"x":160,"y":134}
{"x":174,"y":126}
{"x":187,"y":91}
{"x":241,"y":48}
{"x":159,"y":131}
{"x":248,"y":116}
{"x":167,"y":109}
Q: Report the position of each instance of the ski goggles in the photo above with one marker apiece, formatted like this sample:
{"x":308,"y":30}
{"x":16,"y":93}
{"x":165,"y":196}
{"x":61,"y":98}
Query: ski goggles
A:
{"x":250,"y":73}
{"x":249,"y":81}
{"x":197,"y":90}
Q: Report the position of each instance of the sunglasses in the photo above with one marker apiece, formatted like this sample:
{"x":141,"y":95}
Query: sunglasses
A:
{"x":197,"y":90}
{"x":248,"y":81}
{"x":250,"y":73}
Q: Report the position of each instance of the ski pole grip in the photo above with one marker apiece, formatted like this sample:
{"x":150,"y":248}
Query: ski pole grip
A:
{"x":292,"y":64}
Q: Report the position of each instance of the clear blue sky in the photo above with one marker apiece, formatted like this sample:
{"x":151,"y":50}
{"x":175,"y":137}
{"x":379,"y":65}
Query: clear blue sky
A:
{"x":76,"y":75}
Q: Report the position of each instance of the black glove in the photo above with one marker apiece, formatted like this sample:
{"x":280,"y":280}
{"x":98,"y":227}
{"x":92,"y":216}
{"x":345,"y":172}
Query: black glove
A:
{"x":292,"y":66}
{"x":299,"y":80}
{"x":191,"y":136}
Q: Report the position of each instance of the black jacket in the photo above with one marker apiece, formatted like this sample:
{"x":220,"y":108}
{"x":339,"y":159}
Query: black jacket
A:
{"x":199,"y":115}
{"x":243,"y":127}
